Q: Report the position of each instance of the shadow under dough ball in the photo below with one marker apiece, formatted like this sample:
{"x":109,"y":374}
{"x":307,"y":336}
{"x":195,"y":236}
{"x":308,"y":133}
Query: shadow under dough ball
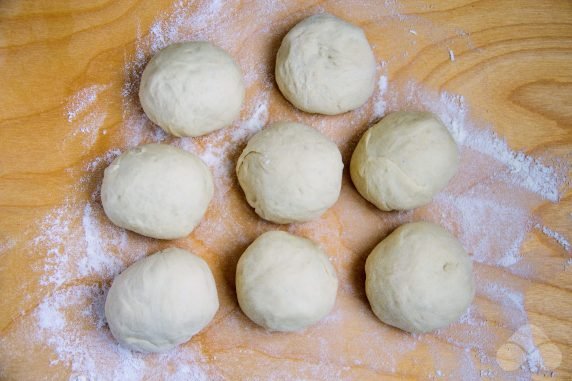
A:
{"x":325,"y":66}
{"x":419,"y":278}
{"x":404,"y":160}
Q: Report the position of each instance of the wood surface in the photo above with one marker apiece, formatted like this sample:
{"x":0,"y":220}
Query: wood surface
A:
{"x":516,"y":74}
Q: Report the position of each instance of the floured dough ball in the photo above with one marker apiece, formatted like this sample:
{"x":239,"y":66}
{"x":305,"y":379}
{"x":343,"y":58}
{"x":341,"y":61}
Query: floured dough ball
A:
{"x":325,"y":65}
{"x":290,"y":173}
{"x":161,"y":301}
{"x":404,"y":160}
{"x":284,"y":282}
{"x":157,"y":190}
{"x":191,"y":89}
{"x":419,"y":278}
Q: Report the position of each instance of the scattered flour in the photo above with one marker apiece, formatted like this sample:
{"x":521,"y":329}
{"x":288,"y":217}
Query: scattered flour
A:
{"x":92,"y":354}
{"x":521,"y":169}
{"x":83,"y":100}
{"x":451,"y":55}
{"x":470,"y":215}
{"x":76,"y":242}
{"x":526,"y":348}
{"x":380,"y":104}
{"x":85,"y":114}
{"x":7,"y":244}
{"x":559,"y":238}
{"x":97,"y":260}
{"x":219,"y":147}
{"x":255,"y":122}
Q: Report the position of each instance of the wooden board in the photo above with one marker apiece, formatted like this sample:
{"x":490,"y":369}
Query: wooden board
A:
{"x":510,"y":60}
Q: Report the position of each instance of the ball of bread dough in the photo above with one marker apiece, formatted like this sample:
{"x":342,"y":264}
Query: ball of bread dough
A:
{"x":325,"y":65}
{"x":290,"y":173}
{"x":285,"y":282}
{"x":191,"y":89}
{"x":419,"y":278}
{"x":404,"y":160}
{"x":161,"y":301}
{"x":157,"y":190}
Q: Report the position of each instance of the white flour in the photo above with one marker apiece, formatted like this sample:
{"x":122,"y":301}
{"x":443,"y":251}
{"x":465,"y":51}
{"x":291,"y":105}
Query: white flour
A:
{"x":380,"y":104}
{"x":82,"y":100}
{"x":488,"y":206}
{"x":559,"y":238}
{"x":451,"y":55}
{"x":85,"y":115}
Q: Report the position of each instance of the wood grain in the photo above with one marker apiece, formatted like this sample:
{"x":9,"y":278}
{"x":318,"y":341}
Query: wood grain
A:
{"x":513,"y":65}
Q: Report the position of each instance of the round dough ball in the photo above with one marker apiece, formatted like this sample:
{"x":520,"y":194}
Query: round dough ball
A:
{"x":325,"y":65}
{"x":161,"y":301}
{"x":191,"y":89}
{"x":284,"y":282}
{"x":290,"y":173}
{"x":419,"y":278}
{"x":404,"y":160}
{"x":157,"y":190}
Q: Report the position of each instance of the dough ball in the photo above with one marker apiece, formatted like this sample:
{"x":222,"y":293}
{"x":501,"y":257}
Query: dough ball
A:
{"x":285,"y":282}
{"x":157,"y":190}
{"x":404,"y":160}
{"x":161,"y":301}
{"x":419,"y":278}
{"x":325,"y":65}
{"x":290,"y":173}
{"x":191,"y":89}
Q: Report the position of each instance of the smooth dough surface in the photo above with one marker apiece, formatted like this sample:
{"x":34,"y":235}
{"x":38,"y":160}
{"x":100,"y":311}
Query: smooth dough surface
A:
{"x":325,"y":65}
{"x":161,"y":301}
{"x":285,"y":282}
{"x":191,"y":89}
{"x":419,"y":278}
{"x":157,"y":190}
{"x":290,"y":173}
{"x":404,"y":160}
